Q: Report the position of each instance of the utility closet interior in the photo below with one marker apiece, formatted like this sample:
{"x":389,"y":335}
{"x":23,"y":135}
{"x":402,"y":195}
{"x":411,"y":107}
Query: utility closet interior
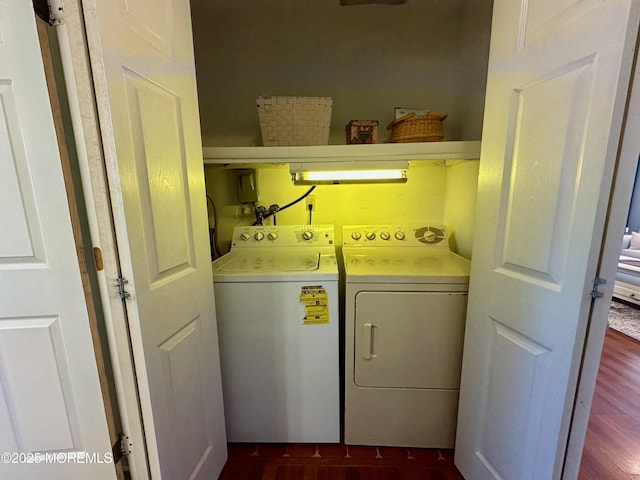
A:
{"x":369,"y":58}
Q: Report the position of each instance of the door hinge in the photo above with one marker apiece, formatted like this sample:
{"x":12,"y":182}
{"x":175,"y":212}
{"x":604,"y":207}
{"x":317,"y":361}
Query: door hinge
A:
{"x":122,"y":448}
{"x":120,"y":285}
{"x":51,"y":11}
{"x":595,"y":293}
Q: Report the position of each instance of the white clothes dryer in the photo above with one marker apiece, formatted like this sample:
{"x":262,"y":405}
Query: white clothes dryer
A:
{"x":405,"y":313}
{"x":277,"y":312}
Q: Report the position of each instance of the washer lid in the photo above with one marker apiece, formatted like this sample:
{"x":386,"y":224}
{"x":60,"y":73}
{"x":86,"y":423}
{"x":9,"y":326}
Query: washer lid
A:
{"x":272,"y":262}
{"x":405,"y":265}
{"x":265,"y":265}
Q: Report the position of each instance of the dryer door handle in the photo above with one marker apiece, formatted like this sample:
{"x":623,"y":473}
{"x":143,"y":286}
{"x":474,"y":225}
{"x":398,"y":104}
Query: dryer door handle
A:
{"x":367,"y":341}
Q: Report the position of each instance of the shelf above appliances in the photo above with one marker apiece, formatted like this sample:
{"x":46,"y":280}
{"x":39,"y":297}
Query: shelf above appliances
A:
{"x":463,"y":150}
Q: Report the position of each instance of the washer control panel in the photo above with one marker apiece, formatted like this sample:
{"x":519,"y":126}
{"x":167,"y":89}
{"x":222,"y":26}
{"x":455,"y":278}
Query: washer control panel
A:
{"x":394,"y":236}
{"x":283,"y":236}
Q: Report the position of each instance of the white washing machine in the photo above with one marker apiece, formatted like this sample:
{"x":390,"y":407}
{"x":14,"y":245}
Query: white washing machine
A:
{"x":277,"y":312}
{"x":405,"y":312}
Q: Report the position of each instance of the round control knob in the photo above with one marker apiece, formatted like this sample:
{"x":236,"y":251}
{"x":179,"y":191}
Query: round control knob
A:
{"x":399,"y":235}
{"x":371,"y":235}
{"x":272,"y":235}
{"x":356,"y":235}
{"x":245,"y":236}
{"x":429,"y":236}
{"x":385,"y":235}
{"x":259,"y":236}
{"x":308,"y":235}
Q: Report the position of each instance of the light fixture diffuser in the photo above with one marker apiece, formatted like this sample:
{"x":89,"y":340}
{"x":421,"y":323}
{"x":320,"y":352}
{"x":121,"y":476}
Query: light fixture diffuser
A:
{"x":337,"y":173}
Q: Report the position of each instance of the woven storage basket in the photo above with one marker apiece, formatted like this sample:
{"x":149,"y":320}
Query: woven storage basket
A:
{"x":294,"y":120}
{"x":417,"y":128}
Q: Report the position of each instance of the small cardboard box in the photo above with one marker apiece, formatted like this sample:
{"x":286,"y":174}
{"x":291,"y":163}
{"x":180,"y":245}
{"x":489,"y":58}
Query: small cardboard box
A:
{"x":362,"y":131}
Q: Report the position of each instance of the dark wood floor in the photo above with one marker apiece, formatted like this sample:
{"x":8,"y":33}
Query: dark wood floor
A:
{"x":337,"y":462}
{"x":612,"y":446}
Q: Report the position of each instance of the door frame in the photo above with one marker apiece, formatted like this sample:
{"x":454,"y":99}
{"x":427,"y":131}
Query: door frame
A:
{"x":78,"y":79}
{"x":56,"y":94}
{"x":597,"y":323}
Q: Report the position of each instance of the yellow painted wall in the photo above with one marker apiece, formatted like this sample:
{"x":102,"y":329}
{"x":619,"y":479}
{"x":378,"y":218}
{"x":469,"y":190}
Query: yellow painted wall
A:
{"x":420,"y":200}
{"x":460,"y":203}
{"x":433,"y":194}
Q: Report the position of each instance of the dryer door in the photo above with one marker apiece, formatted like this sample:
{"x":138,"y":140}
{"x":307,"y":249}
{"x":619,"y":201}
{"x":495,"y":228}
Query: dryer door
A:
{"x":409,"y":339}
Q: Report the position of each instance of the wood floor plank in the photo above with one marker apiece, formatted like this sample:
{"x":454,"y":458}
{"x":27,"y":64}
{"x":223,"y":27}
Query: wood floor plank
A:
{"x":622,"y":441}
{"x":612,"y":444}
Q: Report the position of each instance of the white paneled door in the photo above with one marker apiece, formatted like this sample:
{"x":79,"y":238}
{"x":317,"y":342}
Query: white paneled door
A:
{"x":51,"y":409}
{"x":144,"y":74}
{"x":557,"y":85}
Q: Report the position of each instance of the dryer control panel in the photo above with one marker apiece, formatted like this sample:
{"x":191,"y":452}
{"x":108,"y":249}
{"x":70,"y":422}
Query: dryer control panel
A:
{"x":395,"y":236}
{"x":283,"y":236}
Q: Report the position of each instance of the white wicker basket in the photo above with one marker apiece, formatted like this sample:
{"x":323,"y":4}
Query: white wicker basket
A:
{"x":294,"y":120}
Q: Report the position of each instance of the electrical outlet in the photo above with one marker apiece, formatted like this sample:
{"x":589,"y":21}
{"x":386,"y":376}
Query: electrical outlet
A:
{"x":311,"y":200}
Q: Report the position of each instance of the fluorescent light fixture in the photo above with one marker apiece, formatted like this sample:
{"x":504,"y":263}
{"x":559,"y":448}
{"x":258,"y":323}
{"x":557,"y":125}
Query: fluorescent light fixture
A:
{"x":350,"y":176}
{"x":336,"y":173}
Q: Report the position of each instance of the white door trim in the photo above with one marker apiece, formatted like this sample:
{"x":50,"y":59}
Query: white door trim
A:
{"x":624,"y":178}
{"x":81,"y":96}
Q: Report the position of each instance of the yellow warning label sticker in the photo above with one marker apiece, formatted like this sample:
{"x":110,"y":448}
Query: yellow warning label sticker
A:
{"x":316,"y":305}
